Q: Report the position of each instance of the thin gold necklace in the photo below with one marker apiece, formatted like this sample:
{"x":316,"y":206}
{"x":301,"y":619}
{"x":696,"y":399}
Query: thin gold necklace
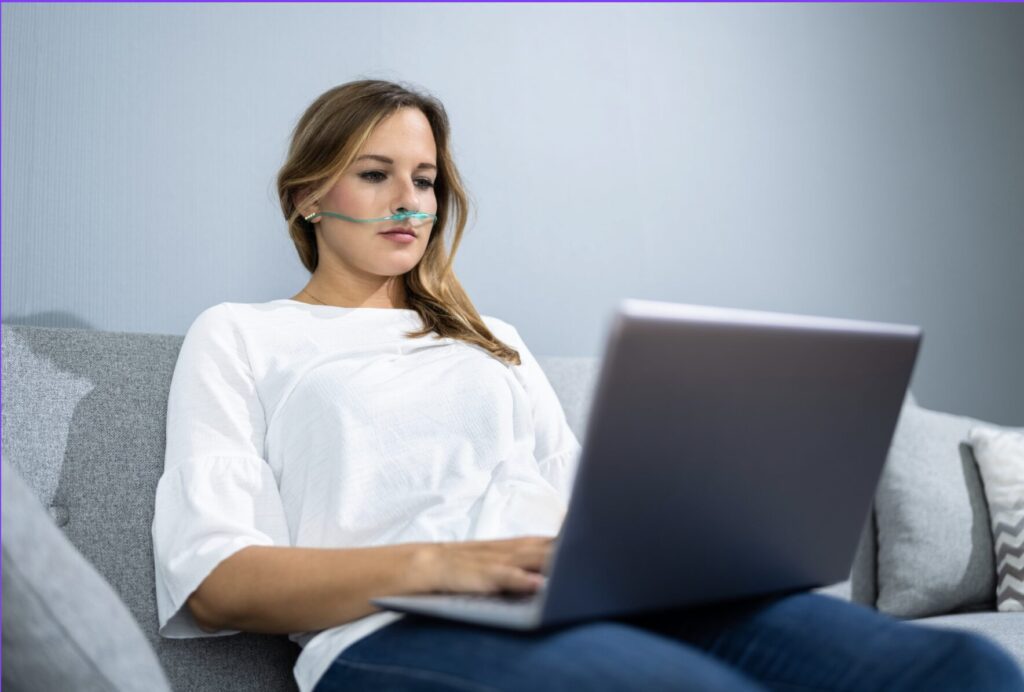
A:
{"x":317,"y":299}
{"x":312,"y":296}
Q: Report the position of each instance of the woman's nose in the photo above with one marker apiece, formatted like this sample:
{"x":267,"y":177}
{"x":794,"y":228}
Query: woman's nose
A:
{"x":407,"y":198}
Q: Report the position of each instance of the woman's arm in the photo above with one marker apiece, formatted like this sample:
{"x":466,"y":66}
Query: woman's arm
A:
{"x":278,"y":590}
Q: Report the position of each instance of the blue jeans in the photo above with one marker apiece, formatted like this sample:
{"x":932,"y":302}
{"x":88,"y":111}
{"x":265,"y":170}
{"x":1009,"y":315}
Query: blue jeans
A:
{"x":796,"y":642}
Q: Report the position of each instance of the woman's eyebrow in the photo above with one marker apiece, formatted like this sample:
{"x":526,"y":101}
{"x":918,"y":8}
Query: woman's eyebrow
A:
{"x":385,"y":159}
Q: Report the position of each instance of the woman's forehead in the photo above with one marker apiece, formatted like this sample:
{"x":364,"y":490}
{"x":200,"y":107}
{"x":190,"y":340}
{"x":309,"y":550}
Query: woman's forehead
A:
{"x":406,"y":132}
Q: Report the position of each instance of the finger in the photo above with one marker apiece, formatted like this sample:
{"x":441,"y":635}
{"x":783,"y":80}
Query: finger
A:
{"x":530,"y":556}
{"x":522,"y":540}
{"x":532,"y":559}
{"x":524,"y":544}
{"x":515,"y":579}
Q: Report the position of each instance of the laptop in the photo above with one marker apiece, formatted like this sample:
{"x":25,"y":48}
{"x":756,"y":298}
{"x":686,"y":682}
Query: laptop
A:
{"x":728,"y":454}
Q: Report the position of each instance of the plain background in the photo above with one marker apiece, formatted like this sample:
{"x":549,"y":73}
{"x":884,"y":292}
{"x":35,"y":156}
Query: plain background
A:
{"x":861,"y":161}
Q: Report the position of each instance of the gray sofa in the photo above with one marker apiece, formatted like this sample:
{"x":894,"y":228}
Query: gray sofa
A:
{"x":83,"y":425}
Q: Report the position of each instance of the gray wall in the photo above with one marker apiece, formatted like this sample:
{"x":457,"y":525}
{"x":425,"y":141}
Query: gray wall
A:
{"x":863,"y":161}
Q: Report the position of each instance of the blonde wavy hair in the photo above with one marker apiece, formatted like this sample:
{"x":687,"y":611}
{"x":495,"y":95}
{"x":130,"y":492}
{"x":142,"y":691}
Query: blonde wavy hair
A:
{"x":326,"y":140}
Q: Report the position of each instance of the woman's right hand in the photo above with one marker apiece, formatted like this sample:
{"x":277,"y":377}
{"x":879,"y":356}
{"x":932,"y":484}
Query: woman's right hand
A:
{"x":510,"y":564}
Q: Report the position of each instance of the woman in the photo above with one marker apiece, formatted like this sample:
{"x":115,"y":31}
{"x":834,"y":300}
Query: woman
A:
{"x":374,"y":435}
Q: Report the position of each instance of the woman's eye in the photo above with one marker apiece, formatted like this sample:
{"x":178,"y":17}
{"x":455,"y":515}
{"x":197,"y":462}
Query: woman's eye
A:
{"x":377,"y":176}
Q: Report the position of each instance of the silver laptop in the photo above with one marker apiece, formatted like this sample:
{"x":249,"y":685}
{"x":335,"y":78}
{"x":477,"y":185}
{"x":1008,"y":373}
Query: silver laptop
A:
{"x":728,"y":454}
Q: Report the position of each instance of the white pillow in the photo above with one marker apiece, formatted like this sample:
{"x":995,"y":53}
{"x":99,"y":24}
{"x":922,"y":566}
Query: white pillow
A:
{"x":1000,"y":456}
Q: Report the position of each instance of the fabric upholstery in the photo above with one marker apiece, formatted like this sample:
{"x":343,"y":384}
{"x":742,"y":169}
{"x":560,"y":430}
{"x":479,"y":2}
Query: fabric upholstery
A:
{"x":574,"y":379}
{"x":1000,"y":456}
{"x":83,"y":420}
{"x":64,"y":628}
{"x":934,"y":542}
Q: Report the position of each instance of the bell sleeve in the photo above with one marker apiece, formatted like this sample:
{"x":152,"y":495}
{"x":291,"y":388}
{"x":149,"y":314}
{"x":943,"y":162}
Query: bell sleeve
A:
{"x":556,"y":448}
{"x":217,"y":493}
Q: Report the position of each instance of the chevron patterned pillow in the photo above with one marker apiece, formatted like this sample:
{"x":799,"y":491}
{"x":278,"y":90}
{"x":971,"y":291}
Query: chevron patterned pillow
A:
{"x":1000,"y":455}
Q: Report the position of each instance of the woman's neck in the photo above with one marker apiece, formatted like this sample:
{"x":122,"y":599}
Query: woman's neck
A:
{"x":386,"y":295}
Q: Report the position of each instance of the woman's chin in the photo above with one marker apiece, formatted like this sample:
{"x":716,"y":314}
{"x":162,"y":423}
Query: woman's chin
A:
{"x":395,"y":266}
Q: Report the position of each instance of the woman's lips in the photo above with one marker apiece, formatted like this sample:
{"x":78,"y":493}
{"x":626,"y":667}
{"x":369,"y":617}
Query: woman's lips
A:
{"x":401,"y":229}
{"x":399,"y":236}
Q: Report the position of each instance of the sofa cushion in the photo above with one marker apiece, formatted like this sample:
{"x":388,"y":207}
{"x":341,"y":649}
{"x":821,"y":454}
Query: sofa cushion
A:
{"x":573,"y":378}
{"x":934,"y":543}
{"x":1005,"y":629}
{"x":64,"y":628}
{"x":84,"y":414}
{"x":934,"y":553}
{"x":1000,"y":456}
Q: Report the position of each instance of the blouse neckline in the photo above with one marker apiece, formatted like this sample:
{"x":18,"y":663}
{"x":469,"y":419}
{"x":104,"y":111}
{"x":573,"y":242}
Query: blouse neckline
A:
{"x":340,"y":307}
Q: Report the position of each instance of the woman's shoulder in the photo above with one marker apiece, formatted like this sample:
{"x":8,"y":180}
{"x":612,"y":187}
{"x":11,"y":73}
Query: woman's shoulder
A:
{"x":496,"y":324}
{"x":236,"y":312}
{"x":231,"y":331}
{"x":226,"y":318}
{"x":503,"y":330}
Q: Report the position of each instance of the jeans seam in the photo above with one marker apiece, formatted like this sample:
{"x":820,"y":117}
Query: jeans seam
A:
{"x":419,"y":673}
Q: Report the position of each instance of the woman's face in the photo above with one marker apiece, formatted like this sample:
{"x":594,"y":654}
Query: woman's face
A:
{"x":395,"y":169}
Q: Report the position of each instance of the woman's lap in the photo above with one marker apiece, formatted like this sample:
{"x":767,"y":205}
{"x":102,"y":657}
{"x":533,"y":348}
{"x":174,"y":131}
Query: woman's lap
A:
{"x":804,"y":641}
{"x":422,"y":654}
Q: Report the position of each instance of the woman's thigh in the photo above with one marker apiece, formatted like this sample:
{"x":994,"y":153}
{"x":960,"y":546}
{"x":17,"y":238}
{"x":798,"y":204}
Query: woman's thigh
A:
{"x":810,"y":641}
{"x":422,"y":654}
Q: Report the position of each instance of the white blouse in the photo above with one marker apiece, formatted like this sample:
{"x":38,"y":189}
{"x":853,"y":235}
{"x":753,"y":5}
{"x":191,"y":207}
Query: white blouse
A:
{"x":311,"y":425}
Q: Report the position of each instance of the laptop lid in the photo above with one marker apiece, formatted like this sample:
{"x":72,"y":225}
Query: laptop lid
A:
{"x":727,"y":453}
